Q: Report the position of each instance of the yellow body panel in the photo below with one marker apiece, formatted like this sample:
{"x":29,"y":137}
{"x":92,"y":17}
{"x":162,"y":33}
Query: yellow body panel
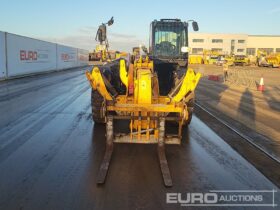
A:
{"x":195,"y":59}
{"x":189,"y":84}
{"x":157,"y":108}
{"x":230,"y":60}
{"x":144,"y":87}
{"x":99,"y":48}
{"x":118,"y":55}
{"x":274,"y":59}
{"x":142,"y":95}
{"x":144,"y":106}
{"x":123,"y":73}
{"x":97,"y":83}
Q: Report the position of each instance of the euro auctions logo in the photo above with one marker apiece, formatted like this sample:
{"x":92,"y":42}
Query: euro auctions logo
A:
{"x":192,"y":198}
{"x":264,"y":198}
{"x":67,"y":57}
{"x":34,"y":56}
{"x":83,"y":58}
{"x":28,"y":55}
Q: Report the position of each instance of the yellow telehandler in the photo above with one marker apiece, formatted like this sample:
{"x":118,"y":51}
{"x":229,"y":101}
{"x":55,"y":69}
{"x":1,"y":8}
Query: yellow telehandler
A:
{"x":147,"y":92}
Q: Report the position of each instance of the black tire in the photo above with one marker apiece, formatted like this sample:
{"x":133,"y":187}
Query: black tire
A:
{"x":190,"y":118}
{"x":190,"y":111}
{"x":97,"y":103}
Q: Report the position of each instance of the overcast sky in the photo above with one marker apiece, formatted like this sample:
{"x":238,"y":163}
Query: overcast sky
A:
{"x":74,"y":22}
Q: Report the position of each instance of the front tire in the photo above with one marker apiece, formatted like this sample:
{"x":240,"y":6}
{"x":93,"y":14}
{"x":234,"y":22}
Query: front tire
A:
{"x":190,"y":111}
{"x":97,"y":106}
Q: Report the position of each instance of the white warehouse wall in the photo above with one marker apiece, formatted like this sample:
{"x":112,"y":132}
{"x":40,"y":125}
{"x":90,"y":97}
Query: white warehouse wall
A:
{"x":21,"y":55}
{"x":263,"y":41}
{"x":269,"y":42}
{"x":26,"y":55}
{"x":83,"y":56}
{"x":207,"y":43}
{"x":67,"y":57}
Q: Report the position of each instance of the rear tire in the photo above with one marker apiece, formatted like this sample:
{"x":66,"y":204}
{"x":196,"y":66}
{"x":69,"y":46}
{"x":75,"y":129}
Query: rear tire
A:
{"x":97,"y":105}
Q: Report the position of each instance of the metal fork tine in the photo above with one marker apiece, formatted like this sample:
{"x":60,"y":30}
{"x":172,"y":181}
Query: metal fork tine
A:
{"x":104,"y":165}
{"x":164,"y":167}
{"x":108,"y":153}
{"x":161,"y":155}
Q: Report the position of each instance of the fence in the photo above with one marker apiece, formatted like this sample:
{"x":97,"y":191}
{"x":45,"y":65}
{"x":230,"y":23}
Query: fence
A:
{"x":22,"y":56}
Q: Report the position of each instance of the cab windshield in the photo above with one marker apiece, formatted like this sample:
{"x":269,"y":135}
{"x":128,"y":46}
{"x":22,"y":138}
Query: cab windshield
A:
{"x":169,"y":39}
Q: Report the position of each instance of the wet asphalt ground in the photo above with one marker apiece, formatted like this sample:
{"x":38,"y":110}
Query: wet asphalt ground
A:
{"x":50,"y":152}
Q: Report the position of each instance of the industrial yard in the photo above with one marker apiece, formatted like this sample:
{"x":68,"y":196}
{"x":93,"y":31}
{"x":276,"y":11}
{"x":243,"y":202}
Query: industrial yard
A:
{"x":242,"y":101}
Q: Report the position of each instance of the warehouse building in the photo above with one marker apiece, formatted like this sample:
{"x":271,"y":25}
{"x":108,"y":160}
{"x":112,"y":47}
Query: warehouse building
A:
{"x":238,"y":44}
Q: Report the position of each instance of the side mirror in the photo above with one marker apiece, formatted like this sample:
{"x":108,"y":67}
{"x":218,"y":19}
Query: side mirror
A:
{"x":185,"y":49}
{"x":144,"y":48}
{"x":195,"y":26}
